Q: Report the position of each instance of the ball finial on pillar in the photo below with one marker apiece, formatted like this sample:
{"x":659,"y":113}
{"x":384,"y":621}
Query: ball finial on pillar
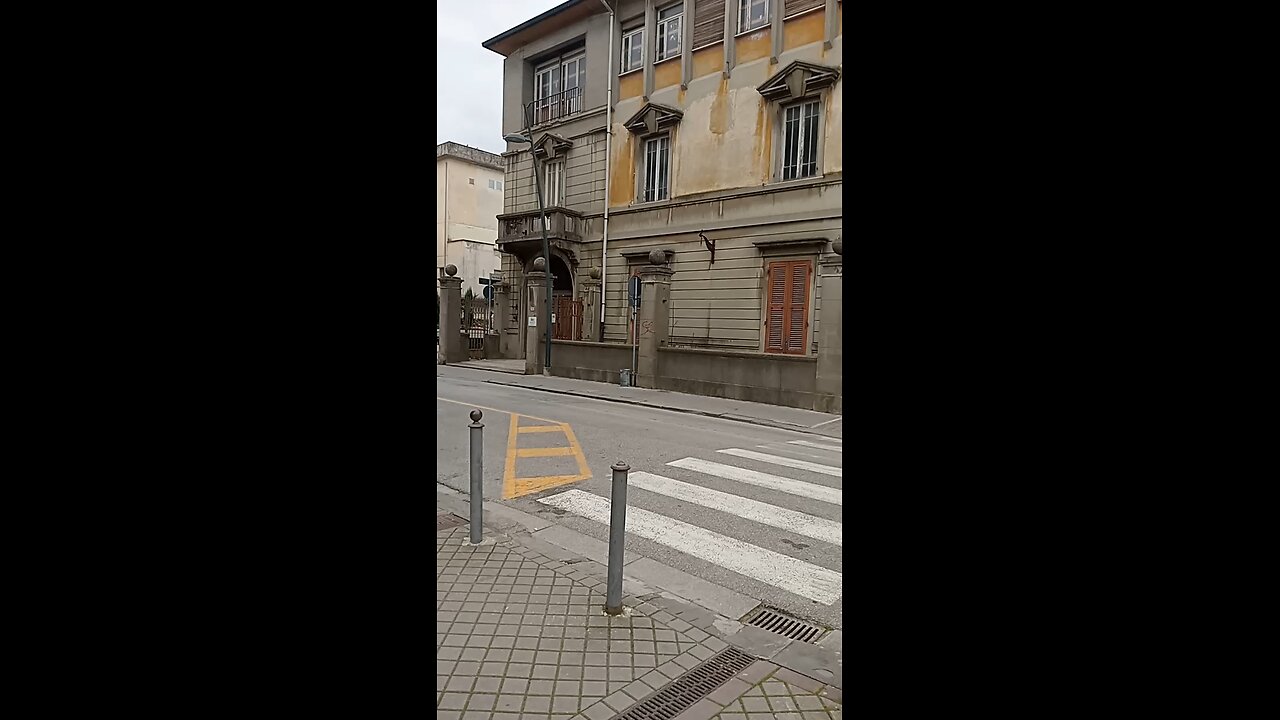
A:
{"x":837,"y":247}
{"x":476,"y":415}
{"x":539,"y":264}
{"x":657,"y":257}
{"x":595,"y":273}
{"x":451,"y":270}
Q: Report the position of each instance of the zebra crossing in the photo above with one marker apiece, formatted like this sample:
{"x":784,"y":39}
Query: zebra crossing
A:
{"x":798,"y":494}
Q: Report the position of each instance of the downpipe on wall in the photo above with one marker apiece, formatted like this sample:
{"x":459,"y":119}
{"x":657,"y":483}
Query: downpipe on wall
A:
{"x":608,"y":150}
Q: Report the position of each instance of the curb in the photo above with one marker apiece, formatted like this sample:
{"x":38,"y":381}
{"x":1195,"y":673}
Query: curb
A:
{"x":689,"y":411}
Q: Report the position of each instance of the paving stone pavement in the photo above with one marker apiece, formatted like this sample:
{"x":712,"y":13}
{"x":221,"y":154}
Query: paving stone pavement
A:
{"x":522,"y":636}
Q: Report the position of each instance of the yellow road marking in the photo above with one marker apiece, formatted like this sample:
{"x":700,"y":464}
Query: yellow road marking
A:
{"x":512,"y":486}
{"x":529,"y":485}
{"x":543,"y":452}
{"x":577,"y":452}
{"x":509,"y":475}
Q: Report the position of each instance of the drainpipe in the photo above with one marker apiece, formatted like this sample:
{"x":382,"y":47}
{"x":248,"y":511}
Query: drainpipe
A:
{"x":608,"y":120}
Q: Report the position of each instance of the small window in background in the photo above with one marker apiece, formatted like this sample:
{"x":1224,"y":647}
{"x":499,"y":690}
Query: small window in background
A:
{"x":668,"y":36}
{"x":499,"y":184}
{"x":632,"y":50}
{"x":471,"y":181}
{"x":752,"y":14}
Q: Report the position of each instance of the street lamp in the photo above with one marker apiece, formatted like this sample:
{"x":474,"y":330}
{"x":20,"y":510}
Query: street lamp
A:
{"x":546,"y":248}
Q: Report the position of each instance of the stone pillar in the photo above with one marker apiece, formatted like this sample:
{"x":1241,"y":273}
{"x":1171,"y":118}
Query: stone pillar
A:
{"x":655,"y":313}
{"x":536,"y":281}
{"x":591,"y":307}
{"x":452,"y":347}
{"x":830,"y":327}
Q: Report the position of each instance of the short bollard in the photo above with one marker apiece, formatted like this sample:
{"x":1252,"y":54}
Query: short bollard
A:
{"x":617,"y":538}
{"x":477,"y":475}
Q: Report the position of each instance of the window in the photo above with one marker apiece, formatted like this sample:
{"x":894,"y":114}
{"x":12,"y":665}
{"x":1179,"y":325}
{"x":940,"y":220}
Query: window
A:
{"x":553,"y":184}
{"x":800,"y":140}
{"x":752,"y":14}
{"x":471,"y":181}
{"x":557,"y":88}
{"x":708,"y":23}
{"x":657,"y":168}
{"x":787,"y":312}
{"x":632,"y":50}
{"x":495,"y":184}
{"x":670,"y":21}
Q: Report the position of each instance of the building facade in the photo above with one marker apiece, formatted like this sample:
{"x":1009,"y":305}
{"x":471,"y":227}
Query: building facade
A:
{"x":722,"y":150}
{"x":469,"y":187}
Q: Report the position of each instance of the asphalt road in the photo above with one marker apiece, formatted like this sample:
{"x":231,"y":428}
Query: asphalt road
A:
{"x":647,"y":439}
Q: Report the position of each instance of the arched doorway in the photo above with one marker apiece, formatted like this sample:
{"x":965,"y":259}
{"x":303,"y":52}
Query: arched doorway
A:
{"x":567,"y":319}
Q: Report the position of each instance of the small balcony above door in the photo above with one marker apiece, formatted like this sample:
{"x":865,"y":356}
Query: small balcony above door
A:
{"x":521,"y":233}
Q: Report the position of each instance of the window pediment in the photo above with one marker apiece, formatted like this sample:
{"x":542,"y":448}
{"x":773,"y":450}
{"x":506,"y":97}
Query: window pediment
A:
{"x":653,"y":117}
{"x":550,"y":145}
{"x":797,"y":80}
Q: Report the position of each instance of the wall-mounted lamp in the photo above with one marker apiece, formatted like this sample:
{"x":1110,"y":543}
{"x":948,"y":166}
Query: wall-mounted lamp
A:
{"x":710,"y":245}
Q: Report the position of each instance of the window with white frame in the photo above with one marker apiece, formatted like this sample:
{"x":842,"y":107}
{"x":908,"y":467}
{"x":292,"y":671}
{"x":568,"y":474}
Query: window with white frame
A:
{"x":553,"y":183}
{"x":800,"y":140}
{"x":656,"y":181}
{"x":558,"y":87}
{"x":752,"y":14}
{"x":632,"y":49}
{"x":667,"y":40}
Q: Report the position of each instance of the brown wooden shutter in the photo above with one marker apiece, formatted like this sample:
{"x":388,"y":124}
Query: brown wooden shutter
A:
{"x":797,"y":307}
{"x":793,"y":7}
{"x":708,"y":22}
{"x":787,"y":310}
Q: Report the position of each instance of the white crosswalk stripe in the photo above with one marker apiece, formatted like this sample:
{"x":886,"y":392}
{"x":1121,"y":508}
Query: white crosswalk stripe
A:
{"x":783,"y":461}
{"x":820,"y":446}
{"x":782,"y":571}
{"x":754,"y":477}
{"x":797,"y":522}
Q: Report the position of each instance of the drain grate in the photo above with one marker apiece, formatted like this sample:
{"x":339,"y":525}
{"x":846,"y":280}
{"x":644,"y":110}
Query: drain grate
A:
{"x":787,"y":626}
{"x":680,"y":694}
{"x":447,"y":520}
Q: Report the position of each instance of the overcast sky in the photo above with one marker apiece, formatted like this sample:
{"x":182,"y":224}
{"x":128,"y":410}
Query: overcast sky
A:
{"x":468,"y":77}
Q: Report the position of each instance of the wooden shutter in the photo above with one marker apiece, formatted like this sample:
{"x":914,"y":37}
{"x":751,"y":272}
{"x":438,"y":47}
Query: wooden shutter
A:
{"x":708,"y":22}
{"x":794,"y":7}
{"x":787,"y":307}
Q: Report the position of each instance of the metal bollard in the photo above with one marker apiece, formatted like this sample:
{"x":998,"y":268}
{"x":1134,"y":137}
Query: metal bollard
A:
{"x":477,"y":475}
{"x":617,"y":538}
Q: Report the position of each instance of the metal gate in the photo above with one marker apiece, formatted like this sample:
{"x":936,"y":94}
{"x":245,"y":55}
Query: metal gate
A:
{"x":477,"y":318}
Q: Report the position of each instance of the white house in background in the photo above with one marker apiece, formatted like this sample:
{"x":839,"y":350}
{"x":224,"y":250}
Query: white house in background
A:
{"x":468,"y":201}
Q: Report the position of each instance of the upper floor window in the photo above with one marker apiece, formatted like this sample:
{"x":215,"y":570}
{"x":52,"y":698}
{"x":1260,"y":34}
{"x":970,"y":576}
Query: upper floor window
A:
{"x":495,"y":184}
{"x":670,"y":22}
{"x":553,"y":183}
{"x":632,"y":49}
{"x":752,"y":14}
{"x":800,"y":140}
{"x":656,"y":181}
{"x":557,"y":88}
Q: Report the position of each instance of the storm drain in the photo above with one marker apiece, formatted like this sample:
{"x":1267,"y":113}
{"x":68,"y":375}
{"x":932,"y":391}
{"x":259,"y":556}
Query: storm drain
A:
{"x":447,"y":520}
{"x":680,"y":694}
{"x":787,"y":626}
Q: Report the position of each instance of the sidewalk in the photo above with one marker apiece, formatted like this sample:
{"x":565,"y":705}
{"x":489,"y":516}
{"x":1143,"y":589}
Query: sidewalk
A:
{"x":778,"y":416}
{"x":521,"y":635}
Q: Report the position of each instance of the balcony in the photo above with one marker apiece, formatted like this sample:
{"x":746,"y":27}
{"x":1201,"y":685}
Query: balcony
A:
{"x":553,"y":107}
{"x":521,"y":233}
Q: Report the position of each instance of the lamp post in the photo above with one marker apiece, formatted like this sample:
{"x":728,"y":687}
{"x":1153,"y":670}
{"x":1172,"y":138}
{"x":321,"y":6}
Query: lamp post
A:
{"x":546,"y":247}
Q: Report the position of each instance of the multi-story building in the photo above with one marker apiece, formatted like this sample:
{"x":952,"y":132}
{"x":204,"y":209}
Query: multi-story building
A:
{"x":469,"y":187}
{"x":709,"y":130}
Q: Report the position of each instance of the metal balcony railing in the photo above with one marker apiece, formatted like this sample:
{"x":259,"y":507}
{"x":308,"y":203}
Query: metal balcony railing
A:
{"x":553,"y":107}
